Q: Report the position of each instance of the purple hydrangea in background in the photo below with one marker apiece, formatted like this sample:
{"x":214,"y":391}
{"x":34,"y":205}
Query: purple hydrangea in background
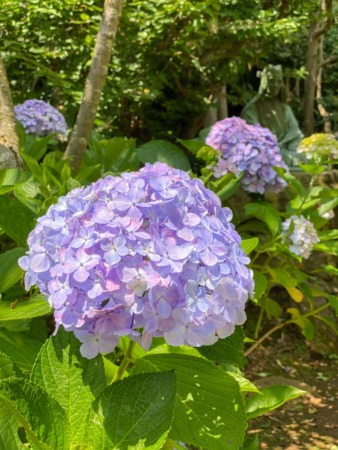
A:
{"x":246,"y":148}
{"x":300,"y":235}
{"x":150,"y":253}
{"x":40,"y":118}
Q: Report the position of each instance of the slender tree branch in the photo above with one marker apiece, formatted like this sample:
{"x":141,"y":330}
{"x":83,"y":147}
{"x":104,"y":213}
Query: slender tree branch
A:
{"x":94,"y":83}
{"x":266,"y":335}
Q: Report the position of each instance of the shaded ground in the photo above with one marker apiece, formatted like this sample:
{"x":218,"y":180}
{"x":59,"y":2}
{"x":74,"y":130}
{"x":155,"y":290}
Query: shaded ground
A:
{"x":311,"y":421}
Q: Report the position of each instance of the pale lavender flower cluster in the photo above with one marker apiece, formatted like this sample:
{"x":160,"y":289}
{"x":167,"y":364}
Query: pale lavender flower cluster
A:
{"x":246,"y":148}
{"x":300,"y":235}
{"x":149,"y":253}
{"x":40,"y":118}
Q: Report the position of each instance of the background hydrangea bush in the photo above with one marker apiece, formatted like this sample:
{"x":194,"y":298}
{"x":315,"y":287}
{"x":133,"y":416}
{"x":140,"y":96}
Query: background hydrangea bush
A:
{"x":319,"y":147}
{"x":251,"y":149}
{"x":40,"y":118}
{"x":151,"y":250}
{"x":300,"y":235}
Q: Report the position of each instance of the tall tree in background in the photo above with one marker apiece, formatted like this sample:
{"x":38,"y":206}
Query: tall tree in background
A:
{"x":94,"y":83}
{"x":9,"y":140}
{"x":318,"y":27}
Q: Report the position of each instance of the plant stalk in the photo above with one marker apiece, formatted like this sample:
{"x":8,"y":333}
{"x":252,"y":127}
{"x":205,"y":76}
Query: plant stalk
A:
{"x":127,"y":359}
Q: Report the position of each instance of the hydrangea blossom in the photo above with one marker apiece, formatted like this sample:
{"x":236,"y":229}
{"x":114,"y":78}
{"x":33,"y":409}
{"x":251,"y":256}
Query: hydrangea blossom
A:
{"x":300,"y":234}
{"x":40,"y":118}
{"x":319,"y":147}
{"x":246,"y":148}
{"x":150,"y":253}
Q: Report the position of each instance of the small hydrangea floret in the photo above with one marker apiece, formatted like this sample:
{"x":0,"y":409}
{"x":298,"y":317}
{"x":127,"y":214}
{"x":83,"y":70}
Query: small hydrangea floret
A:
{"x":146,"y":254}
{"x":40,"y":118}
{"x":319,"y":147}
{"x":300,"y":235}
{"x":251,"y":149}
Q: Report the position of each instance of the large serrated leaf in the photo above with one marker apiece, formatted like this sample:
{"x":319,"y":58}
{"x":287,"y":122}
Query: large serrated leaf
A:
{"x":22,"y":350}
{"x":34,"y":307}
{"x":226,"y":351}
{"x":44,"y":420}
{"x":9,"y":425}
{"x":270,"y":398}
{"x":6,"y":367}
{"x":136,"y":413}
{"x":75,"y":382}
{"x":16,"y":220}
{"x":209,"y":408}
{"x":163,"y":151}
{"x":10,"y":272}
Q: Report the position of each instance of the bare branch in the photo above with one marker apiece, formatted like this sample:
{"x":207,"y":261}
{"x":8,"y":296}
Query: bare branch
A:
{"x":94,"y":83}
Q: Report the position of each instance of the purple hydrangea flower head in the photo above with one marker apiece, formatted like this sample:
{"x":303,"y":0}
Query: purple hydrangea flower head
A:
{"x":300,"y":235}
{"x":251,"y":149}
{"x":146,"y":254}
{"x":40,"y":118}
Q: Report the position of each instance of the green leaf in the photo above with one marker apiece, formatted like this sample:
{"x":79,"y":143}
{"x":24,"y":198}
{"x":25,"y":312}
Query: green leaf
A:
{"x":42,"y":417}
{"x":193,"y":145}
{"x":6,"y":366}
{"x":270,"y":398}
{"x":333,"y":300}
{"x":117,"y":154}
{"x":209,"y":408}
{"x":330,"y":247}
{"x":72,"y":380}
{"x":312,"y":169}
{"x":248,"y":245}
{"x":9,"y":426}
{"x":35,"y":307}
{"x":231,"y":187}
{"x":244,"y":384}
{"x":282,"y":277}
{"x":16,"y":220}
{"x":19,"y":348}
{"x":10,"y":272}
{"x":251,"y":443}
{"x":137,"y":412}
{"x":226,"y":351}
{"x":266,"y":214}
{"x":163,"y":151}
{"x":37,"y":147}
{"x":328,"y":235}
{"x":261,"y":283}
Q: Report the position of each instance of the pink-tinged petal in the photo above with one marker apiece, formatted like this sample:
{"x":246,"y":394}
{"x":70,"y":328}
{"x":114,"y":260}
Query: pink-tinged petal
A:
{"x":89,"y":350}
{"x":122,"y":203}
{"x":218,"y":248}
{"x":40,"y":263}
{"x":176,"y":336}
{"x":191,"y":220}
{"x":163,"y":308}
{"x":146,"y":340}
{"x":179,"y":252}
{"x":112,"y":257}
{"x":81,"y":274}
{"x":208,"y":258}
{"x":106,"y":346}
{"x":24,"y":262}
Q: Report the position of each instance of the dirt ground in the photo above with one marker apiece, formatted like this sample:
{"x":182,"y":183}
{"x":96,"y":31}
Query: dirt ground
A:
{"x":311,"y":421}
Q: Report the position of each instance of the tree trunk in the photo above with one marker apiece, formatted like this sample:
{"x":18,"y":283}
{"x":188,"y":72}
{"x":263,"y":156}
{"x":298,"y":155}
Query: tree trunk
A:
{"x":222,"y":101}
{"x":321,"y":107}
{"x":317,"y":29}
{"x":94,"y":83}
{"x":310,"y":80}
{"x":9,"y":139}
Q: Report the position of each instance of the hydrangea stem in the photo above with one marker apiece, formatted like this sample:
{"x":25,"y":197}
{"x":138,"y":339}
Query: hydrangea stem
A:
{"x":281,"y":325}
{"x":127,"y":359}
